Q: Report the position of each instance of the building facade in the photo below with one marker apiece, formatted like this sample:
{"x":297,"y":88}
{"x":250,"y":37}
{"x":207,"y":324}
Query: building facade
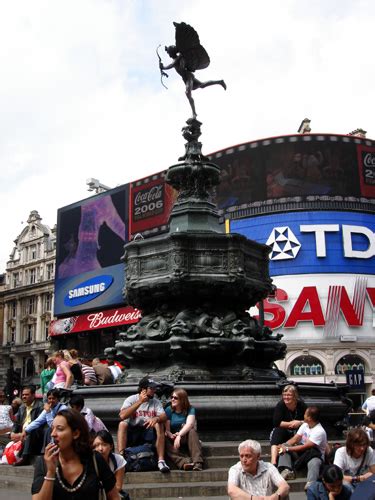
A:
{"x":27,"y":298}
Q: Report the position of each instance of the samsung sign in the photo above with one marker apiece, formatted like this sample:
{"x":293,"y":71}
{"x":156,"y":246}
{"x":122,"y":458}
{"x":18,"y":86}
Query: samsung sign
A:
{"x":88,"y":290}
{"x":314,"y":242}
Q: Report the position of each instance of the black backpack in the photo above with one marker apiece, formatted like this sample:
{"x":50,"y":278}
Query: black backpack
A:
{"x":140,"y":458}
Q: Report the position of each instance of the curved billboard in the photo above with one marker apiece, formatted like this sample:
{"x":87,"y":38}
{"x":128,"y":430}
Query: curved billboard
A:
{"x":288,"y":172}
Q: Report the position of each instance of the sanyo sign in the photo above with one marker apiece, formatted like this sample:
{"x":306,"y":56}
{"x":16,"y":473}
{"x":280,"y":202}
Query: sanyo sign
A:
{"x":314,"y":242}
{"x":322,"y":306}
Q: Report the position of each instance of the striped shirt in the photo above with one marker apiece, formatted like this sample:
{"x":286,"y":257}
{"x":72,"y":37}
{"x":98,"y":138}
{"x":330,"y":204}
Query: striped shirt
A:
{"x":263,"y":483}
{"x":89,"y":375}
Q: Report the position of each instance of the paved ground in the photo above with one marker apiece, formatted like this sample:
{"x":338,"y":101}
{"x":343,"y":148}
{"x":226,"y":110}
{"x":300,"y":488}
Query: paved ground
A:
{"x":14,"y":495}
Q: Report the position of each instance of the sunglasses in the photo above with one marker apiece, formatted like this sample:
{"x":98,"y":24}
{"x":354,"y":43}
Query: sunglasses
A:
{"x":174,"y":397}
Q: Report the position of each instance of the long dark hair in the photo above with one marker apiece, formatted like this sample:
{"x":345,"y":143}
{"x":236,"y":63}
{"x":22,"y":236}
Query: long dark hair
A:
{"x":76,"y":421}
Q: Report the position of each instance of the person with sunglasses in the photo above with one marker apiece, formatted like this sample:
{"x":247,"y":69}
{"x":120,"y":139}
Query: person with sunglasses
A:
{"x":182,"y":444}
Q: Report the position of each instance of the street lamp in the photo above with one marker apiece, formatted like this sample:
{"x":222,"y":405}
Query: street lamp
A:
{"x":95,"y":185}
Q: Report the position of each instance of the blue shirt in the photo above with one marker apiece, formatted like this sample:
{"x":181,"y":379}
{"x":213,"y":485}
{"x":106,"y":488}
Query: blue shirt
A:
{"x":46,"y":417}
{"x":177,"y":419}
{"x":317,"y":491}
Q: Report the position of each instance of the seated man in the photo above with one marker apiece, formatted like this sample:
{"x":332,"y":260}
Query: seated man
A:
{"x":51,"y":408}
{"x":252,"y":478}
{"x":95,"y":424}
{"x":142,"y":414}
{"x":310,"y":441}
{"x":30,"y":409}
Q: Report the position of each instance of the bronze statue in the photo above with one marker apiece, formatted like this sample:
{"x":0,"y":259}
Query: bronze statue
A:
{"x":188,"y":55}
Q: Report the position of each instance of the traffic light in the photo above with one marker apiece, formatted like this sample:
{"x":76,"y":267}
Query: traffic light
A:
{"x":17,"y":381}
{"x":13,"y":383}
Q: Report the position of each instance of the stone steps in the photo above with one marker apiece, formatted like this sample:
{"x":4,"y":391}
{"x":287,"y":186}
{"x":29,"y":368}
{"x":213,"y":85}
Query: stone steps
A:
{"x":210,"y":483}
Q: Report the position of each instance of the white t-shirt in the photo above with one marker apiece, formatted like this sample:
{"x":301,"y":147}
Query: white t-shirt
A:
{"x":369,"y":404}
{"x":349,"y":465}
{"x":150,"y":409}
{"x":316,"y":435}
{"x":116,"y":371}
{"x":120,"y":463}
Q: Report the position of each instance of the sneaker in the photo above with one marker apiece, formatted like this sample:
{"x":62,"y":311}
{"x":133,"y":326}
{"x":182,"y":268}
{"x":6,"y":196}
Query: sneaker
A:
{"x":163,"y":467}
{"x":198,"y":466}
{"x":188,"y":466}
{"x":288,"y":474}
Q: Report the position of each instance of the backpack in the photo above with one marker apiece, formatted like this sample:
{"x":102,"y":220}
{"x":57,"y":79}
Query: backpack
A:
{"x":330,"y":456}
{"x":140,"y":458}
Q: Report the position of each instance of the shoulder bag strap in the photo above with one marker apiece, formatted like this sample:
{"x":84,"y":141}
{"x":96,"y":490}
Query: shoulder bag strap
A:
{"x":361,"y":464}
{"x":102,"y":493}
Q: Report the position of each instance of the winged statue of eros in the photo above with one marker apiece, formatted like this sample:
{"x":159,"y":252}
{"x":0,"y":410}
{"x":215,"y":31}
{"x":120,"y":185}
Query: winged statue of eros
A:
{"x":188,"y":55}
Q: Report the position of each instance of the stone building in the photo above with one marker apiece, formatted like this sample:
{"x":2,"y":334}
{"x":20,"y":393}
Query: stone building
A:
{"x":26,"y":298}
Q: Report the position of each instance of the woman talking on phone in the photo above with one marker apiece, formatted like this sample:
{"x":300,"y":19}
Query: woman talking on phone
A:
{"x":69,"y":468}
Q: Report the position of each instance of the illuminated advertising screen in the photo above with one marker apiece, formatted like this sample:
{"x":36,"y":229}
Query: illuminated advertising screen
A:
{"x":151,"y":201}
{"x":90,"y":243}
{"x":314,"y":242}
{"x":296,"y":169}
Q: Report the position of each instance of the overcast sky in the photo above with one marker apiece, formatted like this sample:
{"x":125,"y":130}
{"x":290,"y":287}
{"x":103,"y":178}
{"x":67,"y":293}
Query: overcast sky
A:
{"x":80,"y":91}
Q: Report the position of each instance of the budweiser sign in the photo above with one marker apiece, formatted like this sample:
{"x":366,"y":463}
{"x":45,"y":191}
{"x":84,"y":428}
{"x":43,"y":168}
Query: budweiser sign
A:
{"x":94,"y":321}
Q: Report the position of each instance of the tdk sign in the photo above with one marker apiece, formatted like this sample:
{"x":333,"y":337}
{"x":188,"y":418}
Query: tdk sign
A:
{"x":88,"y":290}
{"x":314,"y":242}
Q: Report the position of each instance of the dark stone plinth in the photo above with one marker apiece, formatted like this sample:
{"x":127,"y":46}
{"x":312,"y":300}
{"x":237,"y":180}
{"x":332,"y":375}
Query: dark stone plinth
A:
{"x":190,"y":269}
{"x":227,"y":410}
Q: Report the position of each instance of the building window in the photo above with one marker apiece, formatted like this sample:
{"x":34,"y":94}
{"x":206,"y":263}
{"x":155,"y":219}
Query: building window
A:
{"x":32,"y":276}
{"x":306,"y":365}
{"x":29,"y":334}
{"x":349,"y":362}
{"x":47,"y":302}
{"x":16,"y":279}
{"x":50,"y":271}
{"x":13,"y":334}
{"x":32,"y":252}
{"x":13,"y":309}
{"x":47,"y":331}
{"x":32,"y":305}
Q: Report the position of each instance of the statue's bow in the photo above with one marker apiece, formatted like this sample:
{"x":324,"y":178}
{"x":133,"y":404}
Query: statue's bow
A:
{"x":162,"y":73}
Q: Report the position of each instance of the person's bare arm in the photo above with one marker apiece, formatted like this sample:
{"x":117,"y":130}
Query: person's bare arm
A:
{"x":298,"y":447}
{"x":236,"y":493}
{"x":68,"y":375}
{"x":113,"y":494}
{"x":128,"y":412}
{"x":119,"y":475}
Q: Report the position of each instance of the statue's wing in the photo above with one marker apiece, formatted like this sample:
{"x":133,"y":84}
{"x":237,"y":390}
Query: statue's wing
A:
{"x":187,"y":43}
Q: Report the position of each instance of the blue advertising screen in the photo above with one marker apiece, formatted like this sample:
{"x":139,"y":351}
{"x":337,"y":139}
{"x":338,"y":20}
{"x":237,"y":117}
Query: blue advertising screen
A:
{"x":90,"y":243}
{"x":314,"y":242}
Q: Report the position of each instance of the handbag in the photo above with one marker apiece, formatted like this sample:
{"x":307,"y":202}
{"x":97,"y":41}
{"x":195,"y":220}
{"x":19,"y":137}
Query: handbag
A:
{"x":12,"y":453}
{"x":102,"y":494}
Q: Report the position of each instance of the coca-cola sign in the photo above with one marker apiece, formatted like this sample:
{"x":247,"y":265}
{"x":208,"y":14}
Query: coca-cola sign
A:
{"x":94,"y":321}
{"x":148,"y":202}
{"x":366,"y":166}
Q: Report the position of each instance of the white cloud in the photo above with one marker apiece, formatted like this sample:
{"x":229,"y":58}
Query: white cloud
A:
{"x":81,"y":97}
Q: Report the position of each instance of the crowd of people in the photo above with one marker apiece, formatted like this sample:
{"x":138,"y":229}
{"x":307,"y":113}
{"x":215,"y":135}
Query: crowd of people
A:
{"x":76,"y":454}
{"x":65,"y":369}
